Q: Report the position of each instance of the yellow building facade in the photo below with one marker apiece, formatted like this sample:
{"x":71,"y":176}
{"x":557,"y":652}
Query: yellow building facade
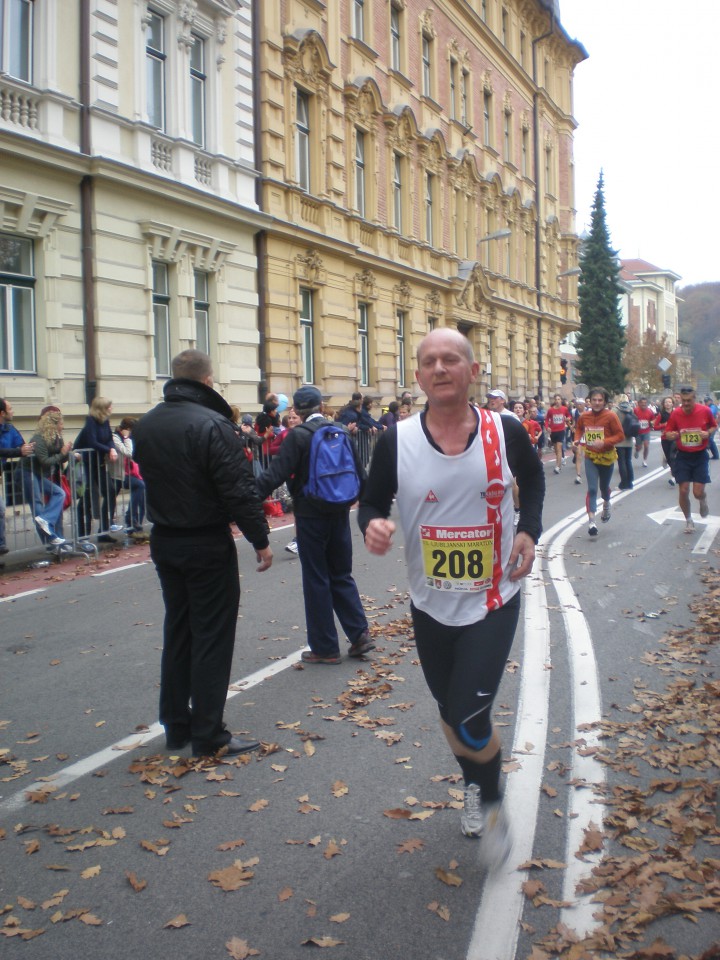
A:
{"x":417,"y":165}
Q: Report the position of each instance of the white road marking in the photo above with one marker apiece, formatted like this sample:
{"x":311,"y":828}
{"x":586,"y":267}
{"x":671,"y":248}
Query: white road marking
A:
{"x":128,"y":566}
{"x":27,"y":593}
{"x":711,"y":524}
{"x":100,"y":759}
{"x":496,"y":926}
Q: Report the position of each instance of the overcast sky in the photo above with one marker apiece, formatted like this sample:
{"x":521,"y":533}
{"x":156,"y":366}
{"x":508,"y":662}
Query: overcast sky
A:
{"x":646,"y":103}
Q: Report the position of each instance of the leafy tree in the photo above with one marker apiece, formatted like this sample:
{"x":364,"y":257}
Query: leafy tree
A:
{"x":699,"y":322}
{"x":642,"y":361}
{"x":601,"y":337}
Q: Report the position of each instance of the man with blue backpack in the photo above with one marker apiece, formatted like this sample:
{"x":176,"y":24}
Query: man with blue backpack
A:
{"x":319,"y":462}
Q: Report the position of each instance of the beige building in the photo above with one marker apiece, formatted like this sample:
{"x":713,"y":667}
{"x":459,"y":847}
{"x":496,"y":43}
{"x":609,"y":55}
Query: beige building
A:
{"x":128,"y":206}
{"x":417,"y":163}
{"x":650,"y":304}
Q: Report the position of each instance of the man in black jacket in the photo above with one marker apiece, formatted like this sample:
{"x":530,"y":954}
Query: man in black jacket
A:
{"x":197,"y":480}
{"x":323,"y":540}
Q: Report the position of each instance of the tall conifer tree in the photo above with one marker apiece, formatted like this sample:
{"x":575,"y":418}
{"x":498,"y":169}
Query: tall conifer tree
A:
{"x":601,"y":339}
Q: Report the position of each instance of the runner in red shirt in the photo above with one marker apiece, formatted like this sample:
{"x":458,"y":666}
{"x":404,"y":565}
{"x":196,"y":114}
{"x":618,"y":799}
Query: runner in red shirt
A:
{"x":557,"y":420}
{"x":645,"y":414}
{"x":532,"y":426}
{"x":691,"y":425}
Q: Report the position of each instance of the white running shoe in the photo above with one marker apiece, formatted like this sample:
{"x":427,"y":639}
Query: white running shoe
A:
{"x":671,"y":481}
{"x":116,"y":528}
{"x":291,"y":547}
{"x":57,"y":541}
{"x":556,"y":469}
{"x":689,"y":526}
{"x":704,"y":508}
{"x":592,"y":529}
{"x":577,"y":479}
{"x":471,"y":816}
{"x":605,"y":515}
{"x":645,"y":463}
{"x":44,"y":526}
{"x":496,"y":842}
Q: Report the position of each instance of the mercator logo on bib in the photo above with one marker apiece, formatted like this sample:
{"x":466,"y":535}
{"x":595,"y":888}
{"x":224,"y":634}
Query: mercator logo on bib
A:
{"x":458,"y":558}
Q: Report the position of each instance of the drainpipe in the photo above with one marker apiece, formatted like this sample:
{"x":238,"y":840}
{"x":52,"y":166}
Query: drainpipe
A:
{"x":261,"y":235}
{"x":86,"y":211}
{"x":536,"y":164}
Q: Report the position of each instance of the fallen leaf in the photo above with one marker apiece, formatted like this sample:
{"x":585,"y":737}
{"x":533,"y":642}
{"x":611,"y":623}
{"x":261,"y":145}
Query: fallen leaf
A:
{"x":136,"y":884}
{"x":239,"y":949}
{"x":179,"y":921}
{"x":285,"y":894}
{"x":90,"y":872}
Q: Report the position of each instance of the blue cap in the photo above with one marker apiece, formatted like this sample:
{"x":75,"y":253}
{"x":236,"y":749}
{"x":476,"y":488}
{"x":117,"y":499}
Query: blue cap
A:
{"x":306,"y":398}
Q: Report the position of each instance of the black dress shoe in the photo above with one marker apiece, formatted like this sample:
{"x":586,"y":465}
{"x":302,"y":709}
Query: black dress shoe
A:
{"x":232,"y":748}
{"x":173,"y":743}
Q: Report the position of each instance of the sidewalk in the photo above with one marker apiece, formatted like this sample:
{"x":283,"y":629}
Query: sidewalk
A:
{"x":31,"y":567}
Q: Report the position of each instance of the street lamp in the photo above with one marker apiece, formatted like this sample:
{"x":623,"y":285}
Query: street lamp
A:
{"x":573,"y":272}
{"x":496,"y":235}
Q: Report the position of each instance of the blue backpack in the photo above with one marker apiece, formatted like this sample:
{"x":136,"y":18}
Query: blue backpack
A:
{"x":332,"y":471}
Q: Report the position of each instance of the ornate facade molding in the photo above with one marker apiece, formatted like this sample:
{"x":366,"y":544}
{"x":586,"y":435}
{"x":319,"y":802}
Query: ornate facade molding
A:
{"x":170,"y":244}
{"x":366,"y":285}
{"x":311,"y":268}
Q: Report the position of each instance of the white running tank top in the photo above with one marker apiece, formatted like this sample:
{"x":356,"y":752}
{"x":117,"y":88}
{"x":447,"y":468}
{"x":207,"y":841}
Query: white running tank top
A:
{"x":457,"y":517}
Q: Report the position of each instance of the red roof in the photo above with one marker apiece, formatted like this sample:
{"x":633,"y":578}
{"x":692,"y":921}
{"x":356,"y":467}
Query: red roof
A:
{"x":631,"y":268}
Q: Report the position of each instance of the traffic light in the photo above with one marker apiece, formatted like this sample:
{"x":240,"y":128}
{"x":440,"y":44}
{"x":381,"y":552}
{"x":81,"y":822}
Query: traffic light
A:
{"x":563,"y":371}
{"x":666,"y":381}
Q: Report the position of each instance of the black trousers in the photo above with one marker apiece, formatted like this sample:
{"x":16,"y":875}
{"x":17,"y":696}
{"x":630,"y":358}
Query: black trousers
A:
{"x":201,"y":590}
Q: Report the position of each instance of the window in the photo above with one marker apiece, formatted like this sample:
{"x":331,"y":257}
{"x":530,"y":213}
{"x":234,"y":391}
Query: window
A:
{"x":303,"y":140}
{"x":426,"y":66}
{"x":487,"y":114}
{"x":525,"y":160}
{"x":504,"y":26}
{"x":429,"y":208}
{"x":511,"y":362}
{"x":507,"y":135}
{"x":17,"y":306}
{"x":307,"y":336}
{"x":197,"y":90}
{"x":523,"y":49}
{"x":483,"y":10}
{"x":464,"y":98}
{"x":202,"y":312}
{"x":161,"y":317}
{"x":453,"y":90}
{"x":360,"y":172}
{"x":358,"y":25}
{"x":16,"y":39}
{"x":364,"y":346}
{"x":397,"y":190}
{"x":395,"y":47}
{"x":155,"y":60}
{"x":548,"y":169}
{"x":401,"y":348}
{"x":432,"y":323}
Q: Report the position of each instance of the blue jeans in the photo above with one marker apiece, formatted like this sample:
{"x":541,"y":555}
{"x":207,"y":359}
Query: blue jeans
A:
{"x":38,"y":490}
{"x":325,"y":551}
{"x":598,"y":475}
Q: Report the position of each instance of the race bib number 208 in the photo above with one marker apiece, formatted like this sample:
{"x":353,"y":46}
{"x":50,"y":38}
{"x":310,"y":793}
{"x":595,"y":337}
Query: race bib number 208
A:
{"x":458,"y":558}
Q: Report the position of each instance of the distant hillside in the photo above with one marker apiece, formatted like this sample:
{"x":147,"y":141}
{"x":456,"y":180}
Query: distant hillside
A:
{"x":699,"y":322}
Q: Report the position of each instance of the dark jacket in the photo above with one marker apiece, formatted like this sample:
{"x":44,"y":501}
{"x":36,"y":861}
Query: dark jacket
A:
{"x":94,"y":442}
{"x":197,"y":477}
{"x":291,"y":465}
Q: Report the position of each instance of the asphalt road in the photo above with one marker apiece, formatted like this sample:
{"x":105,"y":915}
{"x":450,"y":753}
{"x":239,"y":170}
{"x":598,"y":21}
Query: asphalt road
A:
{"x":345,"y":833}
